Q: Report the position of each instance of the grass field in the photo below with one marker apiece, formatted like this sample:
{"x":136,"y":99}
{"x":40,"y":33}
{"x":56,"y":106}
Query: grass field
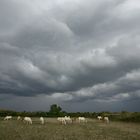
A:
{"x":52,"y":130}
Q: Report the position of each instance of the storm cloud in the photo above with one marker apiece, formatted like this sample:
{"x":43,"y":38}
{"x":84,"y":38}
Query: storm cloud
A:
{"x":81,"y":54}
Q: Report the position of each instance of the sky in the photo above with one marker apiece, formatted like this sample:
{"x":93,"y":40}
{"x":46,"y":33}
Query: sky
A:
{"x":83,"y":55}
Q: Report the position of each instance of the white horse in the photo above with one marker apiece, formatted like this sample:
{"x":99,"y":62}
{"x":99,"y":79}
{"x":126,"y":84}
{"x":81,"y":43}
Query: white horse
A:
{"x":82,"y":119}
{"x":42,"y":120}
{"x":8,"y":118}
{"x":28,"y":120}
{"x":106,"y":119}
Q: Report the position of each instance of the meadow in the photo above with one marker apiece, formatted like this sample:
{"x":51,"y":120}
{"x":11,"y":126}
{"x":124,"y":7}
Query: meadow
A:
{"x":52,"y":130}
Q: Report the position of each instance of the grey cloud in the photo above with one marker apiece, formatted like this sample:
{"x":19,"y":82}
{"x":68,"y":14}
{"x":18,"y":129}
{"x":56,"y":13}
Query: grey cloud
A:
{"x":83,"y":50}
{"x":13,"y":15}
{"x":44,"y":32}
{"x":124,"y":88}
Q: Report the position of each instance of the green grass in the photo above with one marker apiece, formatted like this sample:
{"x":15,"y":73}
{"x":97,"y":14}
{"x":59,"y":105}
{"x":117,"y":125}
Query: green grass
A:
{"x":52,"y":130}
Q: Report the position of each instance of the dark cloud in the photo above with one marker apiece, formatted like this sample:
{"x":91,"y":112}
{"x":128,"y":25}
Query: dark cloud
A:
{"x":75,"y":53}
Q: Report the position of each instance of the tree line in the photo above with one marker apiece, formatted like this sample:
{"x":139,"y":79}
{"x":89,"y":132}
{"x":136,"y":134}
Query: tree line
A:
{"x":56,"y":111}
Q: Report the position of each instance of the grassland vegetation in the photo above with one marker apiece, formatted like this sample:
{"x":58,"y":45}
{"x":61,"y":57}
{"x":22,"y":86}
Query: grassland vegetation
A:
{"x":53,"y":130}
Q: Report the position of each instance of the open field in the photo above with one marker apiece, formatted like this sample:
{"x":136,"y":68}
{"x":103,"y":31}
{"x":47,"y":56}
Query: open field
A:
{"x":52,"y":130}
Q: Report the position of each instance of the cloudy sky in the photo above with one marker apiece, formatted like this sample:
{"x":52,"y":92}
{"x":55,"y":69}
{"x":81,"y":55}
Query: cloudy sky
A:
{"x":83,"y":55}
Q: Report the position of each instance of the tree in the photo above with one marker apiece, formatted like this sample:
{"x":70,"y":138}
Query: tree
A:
{"x":55,"y":110}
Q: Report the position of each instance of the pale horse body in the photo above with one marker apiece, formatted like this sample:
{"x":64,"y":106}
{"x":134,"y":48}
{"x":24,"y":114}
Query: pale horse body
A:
{"x":42,"y":120}
{"x":106,"y":119}
{"x":28,"y":120}
{"x":8,"y":118}
{"x":82,"y":119}
{"x":19,"y":118}
{"x":99,"y":118}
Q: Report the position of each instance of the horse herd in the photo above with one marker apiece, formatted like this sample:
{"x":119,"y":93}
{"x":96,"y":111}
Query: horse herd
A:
{"x":27,"y":120}
{"x":62,"y":120}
